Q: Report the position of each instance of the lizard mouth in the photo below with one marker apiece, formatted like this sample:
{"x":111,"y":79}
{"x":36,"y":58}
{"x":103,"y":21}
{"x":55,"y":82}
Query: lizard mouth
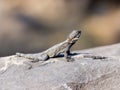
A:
{"x":76,"y":38}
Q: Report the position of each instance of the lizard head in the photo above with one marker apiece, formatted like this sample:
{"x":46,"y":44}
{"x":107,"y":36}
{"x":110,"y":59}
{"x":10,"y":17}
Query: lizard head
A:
{"x":74,"y":36}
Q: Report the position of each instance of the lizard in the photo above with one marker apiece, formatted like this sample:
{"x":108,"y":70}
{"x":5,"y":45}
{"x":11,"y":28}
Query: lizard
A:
{"x":63,"y":47}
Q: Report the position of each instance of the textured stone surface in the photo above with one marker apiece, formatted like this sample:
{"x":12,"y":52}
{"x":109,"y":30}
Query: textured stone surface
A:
{"x":56,"y":74}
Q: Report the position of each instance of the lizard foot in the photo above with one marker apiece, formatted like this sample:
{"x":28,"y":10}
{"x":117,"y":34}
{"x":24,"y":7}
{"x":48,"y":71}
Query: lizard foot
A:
{"x":70,"y":59}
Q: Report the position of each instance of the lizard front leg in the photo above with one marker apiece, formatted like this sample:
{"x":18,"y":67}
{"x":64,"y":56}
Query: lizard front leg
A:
{"x":67,"y":54}
{"x":34,"y":57}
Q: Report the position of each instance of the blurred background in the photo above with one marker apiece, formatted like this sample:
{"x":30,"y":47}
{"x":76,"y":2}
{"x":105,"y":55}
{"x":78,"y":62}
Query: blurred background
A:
{"x":31,"y":26}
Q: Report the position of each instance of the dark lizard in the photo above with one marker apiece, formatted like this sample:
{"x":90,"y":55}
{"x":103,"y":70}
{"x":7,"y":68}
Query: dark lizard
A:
{"x":63,"y":47}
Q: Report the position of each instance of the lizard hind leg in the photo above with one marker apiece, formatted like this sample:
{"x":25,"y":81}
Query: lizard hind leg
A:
{"x":40,"y":57}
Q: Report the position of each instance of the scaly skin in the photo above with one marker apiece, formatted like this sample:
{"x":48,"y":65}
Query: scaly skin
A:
{"x":63,"y":47}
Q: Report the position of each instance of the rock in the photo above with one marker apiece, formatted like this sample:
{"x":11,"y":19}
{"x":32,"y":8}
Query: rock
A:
{"x":17,"y":73}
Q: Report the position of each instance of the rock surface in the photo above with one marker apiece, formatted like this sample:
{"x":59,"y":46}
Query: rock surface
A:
{"x":17,"y":73}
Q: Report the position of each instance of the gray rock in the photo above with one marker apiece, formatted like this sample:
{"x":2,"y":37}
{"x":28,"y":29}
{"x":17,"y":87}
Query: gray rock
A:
{"x":56,"y":74}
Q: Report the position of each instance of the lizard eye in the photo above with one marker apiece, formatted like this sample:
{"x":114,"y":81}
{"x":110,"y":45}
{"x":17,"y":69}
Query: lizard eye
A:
{"x":78,"y":35}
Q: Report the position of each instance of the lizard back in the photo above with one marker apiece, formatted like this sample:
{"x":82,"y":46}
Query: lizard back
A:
{"x":56,"y":49}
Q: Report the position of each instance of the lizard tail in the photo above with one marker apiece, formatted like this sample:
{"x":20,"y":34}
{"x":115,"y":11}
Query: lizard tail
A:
{"x":20,"y":54}
{"x":28,"y":56}
{"x":95,"y":57}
